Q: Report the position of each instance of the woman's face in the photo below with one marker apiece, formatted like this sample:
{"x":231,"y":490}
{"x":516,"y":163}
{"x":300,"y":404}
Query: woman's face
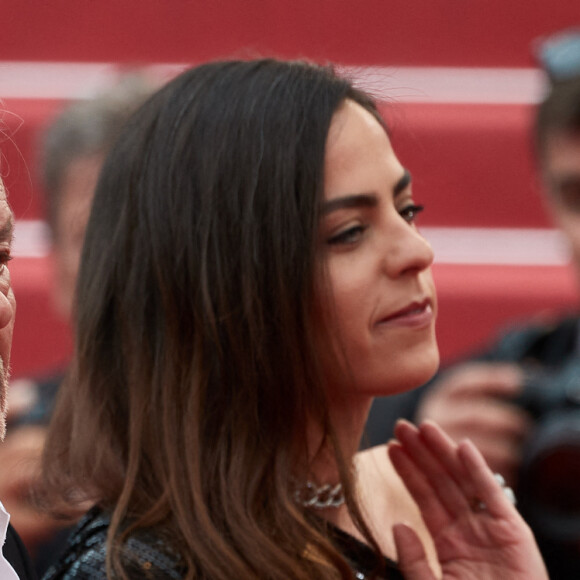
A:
{"x":382,"y":306}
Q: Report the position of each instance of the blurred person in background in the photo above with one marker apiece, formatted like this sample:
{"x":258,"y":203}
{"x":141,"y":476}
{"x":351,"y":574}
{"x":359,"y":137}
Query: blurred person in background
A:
{"x":519,"y":401}
{"x":72,"y":150}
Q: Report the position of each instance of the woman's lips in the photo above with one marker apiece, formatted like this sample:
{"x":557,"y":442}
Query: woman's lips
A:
{"x":416,"y":315}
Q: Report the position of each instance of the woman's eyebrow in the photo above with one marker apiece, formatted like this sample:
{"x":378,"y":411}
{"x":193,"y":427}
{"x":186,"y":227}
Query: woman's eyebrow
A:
{"x":349,"y":201}
{"x":403,"y":183}
{"x":363,"y":199}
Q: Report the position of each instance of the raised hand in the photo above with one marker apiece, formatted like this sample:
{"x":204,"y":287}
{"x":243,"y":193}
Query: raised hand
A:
{"x":473,"y":401}
{"x":477,"y":532}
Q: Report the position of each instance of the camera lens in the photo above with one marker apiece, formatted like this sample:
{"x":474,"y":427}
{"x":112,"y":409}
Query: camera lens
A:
{"x":550,"y":475}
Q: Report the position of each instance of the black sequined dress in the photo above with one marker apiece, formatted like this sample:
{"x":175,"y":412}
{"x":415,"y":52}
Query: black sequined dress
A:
{"x":147,"y":557}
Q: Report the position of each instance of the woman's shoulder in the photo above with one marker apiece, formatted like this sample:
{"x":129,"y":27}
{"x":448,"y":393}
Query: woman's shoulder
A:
{"x":144,"y":555}
{"x":376,"y":473}
{"x":386,"y":501}
{"x":382,"y":490}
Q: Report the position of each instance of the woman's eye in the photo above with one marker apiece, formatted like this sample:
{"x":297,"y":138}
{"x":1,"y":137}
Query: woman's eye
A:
{"x":410,"y":212}
{"x":349,"y":236}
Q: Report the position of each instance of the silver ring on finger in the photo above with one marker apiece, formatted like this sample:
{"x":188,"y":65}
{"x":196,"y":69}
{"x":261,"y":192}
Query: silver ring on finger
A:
{"x":508,"y":491}
{"x":477,"y":505}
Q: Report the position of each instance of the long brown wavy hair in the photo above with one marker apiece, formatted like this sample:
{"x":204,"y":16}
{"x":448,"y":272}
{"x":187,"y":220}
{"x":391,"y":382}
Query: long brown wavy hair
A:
{"x":195,"y":371}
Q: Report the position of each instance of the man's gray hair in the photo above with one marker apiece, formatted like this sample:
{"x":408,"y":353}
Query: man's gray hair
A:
{"x":85,"y":128}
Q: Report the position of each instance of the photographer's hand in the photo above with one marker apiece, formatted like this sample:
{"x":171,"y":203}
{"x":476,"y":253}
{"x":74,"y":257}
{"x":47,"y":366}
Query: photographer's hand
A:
{"x":472,"y":401}
{"x":477,"y":532}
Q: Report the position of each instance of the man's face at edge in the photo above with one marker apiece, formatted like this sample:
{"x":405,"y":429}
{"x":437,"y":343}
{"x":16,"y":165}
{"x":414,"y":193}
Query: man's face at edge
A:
{"x":7,"y":302}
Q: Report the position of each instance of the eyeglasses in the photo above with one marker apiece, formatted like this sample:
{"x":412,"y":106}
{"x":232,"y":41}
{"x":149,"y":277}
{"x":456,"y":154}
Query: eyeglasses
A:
{"x":559,"y":54}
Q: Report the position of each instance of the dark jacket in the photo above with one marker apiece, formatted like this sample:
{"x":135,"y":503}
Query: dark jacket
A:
{"x":15,"y":552}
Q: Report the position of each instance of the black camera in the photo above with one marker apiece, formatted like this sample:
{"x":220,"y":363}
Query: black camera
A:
{"x":549,"y":479}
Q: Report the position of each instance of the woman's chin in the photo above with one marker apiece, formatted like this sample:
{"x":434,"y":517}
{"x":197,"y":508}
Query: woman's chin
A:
{"x":380,"y":377}
{"x":408,"y":376}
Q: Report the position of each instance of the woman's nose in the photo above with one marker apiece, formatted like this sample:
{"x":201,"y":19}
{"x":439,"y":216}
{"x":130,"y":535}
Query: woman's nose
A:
{"x":410,"y":253}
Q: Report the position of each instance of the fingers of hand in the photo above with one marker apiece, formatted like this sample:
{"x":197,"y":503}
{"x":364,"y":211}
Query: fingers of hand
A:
{"x":411,"y":555}
{"x":484,"y":484}
{"x":497,"y":428}
{"x":502,"y":456}
{"x":433,"y":513}
{"x":446,"y":476}
{"x":441,"y":446}
{"x":431,"y":471}
{"x":467,"y":466}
